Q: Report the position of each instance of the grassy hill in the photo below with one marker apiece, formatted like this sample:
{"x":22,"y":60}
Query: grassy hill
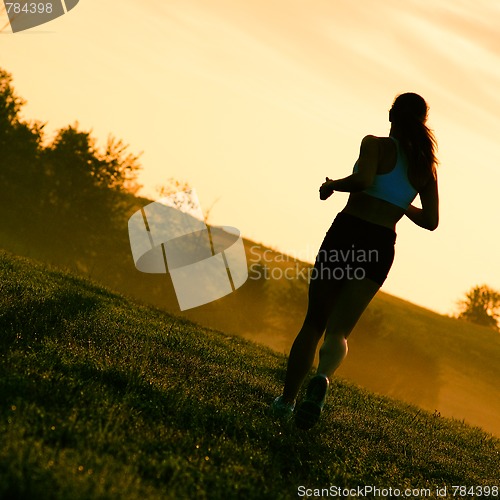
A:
{"x":104,"y":398}
{"x":397,"y":349}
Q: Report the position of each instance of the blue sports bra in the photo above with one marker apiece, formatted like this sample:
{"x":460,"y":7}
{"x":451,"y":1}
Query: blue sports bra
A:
{"x":394,"y":186}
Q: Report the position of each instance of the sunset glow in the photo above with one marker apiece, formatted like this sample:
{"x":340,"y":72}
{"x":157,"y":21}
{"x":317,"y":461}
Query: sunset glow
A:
{"x":254,"y":103}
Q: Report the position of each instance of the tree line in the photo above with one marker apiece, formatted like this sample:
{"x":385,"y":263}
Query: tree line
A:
{"x":67,"y":172}
{"x":62,"y":191}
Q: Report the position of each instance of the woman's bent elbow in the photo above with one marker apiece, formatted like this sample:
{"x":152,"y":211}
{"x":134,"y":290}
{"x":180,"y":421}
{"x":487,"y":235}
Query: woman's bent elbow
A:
{"x":432,"y":225}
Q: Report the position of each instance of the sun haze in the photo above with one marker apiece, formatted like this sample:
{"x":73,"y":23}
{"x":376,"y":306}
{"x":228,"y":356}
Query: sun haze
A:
{"x":254,"y":103}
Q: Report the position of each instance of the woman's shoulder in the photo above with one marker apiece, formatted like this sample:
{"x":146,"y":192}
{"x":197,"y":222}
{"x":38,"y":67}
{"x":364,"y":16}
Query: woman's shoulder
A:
{"x":385,"y":146}
{"x":374,"y":139}
{"x":371,"y":137}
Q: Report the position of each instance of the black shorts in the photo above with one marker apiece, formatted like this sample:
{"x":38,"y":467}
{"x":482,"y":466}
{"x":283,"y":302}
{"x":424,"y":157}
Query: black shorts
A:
{"x":354,"y":248}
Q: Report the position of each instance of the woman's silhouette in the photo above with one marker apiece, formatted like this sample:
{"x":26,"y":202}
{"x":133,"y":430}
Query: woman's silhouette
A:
{"x":358,"y":249}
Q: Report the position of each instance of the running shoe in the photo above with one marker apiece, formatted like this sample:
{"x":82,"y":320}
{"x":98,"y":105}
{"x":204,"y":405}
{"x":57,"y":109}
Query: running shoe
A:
{"x":282,"y":410}
{"x":309,"y":410}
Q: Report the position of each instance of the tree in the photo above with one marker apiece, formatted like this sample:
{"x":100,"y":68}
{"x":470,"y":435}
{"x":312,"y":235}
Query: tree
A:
{"x":15,"y":134}
{"x":10,"y":103}
{"x":20,"y":173}
{"x":184,"y":203}
{"x":78,"y":161}
{"x":481,"y":306}
{"x":82,"y":179}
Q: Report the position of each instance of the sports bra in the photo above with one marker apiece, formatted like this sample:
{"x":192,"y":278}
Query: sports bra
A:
{"x":393,"y":186}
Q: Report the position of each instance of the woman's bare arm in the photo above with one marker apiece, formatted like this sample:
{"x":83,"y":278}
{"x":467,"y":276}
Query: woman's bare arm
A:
{"x":427,"y":216}
{"x":357,"y":181}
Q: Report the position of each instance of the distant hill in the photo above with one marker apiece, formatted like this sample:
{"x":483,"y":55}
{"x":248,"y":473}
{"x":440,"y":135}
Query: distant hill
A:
{"x":105,"y":398}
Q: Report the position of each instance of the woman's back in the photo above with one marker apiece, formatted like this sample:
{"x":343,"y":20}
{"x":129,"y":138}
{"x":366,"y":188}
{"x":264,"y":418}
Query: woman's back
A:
{"x":384,"y":202}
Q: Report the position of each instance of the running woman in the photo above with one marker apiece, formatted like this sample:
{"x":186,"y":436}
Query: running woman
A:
{"x":358,"y":249}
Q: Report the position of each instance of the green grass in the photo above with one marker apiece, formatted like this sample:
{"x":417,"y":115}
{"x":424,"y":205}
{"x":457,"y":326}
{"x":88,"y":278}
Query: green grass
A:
{"x":103,"y":398}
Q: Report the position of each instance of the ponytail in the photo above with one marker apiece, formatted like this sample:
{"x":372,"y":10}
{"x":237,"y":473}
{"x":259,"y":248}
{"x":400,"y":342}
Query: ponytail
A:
{"x":409,"y":114}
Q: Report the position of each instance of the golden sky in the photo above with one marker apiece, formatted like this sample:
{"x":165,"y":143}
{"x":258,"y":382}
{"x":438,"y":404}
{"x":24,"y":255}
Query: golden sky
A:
{"x":254,"y":102}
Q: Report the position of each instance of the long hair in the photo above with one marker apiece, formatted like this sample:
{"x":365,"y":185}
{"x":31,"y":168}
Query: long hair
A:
{"x":408,"y":116}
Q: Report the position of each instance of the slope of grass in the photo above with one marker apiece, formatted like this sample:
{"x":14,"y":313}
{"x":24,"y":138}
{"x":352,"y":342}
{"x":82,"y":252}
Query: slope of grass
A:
{"x":104,"y":398}
{"x":457,"y":362}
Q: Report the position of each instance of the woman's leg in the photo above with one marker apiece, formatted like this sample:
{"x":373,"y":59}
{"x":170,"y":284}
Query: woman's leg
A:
{"x":337,"y":309}
{"x":351,"y":301}
{"x":303,"y":351}
{"x":300,"y":360}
